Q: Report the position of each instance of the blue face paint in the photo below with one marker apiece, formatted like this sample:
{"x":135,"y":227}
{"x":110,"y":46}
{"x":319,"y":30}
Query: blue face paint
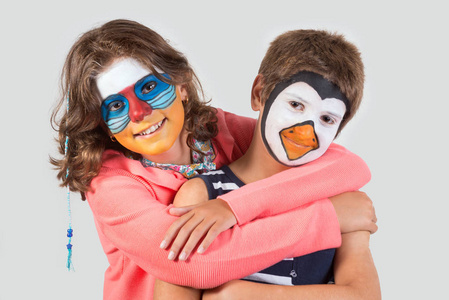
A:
{"x":156,"y":93}
{"x":114,"y":111}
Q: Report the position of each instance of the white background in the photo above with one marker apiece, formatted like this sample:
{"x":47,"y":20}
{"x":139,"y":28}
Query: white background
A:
{"x":398,"y":130}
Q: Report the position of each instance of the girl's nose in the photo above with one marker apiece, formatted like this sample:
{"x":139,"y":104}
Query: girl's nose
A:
{"x":138,"y":109}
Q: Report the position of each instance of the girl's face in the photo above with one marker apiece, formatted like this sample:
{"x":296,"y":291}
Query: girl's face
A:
{"x":299,"y":125}
{"x":143,"y":113}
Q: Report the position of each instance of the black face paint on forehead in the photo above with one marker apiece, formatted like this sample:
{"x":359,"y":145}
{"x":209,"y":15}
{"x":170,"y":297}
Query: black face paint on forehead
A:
{"x":324,"y":88}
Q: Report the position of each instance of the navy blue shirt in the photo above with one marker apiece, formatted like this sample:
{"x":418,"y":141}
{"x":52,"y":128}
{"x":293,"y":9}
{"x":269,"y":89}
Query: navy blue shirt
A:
{"x":314,"y":268}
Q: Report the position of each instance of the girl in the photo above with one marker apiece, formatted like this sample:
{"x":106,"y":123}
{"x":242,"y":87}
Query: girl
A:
{"x":136,"y":129}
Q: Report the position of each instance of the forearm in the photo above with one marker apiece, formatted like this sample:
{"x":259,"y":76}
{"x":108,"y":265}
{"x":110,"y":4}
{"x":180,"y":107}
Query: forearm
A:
{"x":164,"y":290}
{"x":240,"y":289}
{"x":244,"y":250}
{"x":138,"y":230}
{"x":367,"y":288}
{"x":337,"y":171}
{"x":355,"y":278}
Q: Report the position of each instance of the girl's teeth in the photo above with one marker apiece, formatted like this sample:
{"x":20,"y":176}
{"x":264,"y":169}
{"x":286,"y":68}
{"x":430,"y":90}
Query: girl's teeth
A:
{"x":152,"y":129}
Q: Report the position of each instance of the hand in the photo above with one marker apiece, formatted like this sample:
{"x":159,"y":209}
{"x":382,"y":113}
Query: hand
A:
{"x":207,"y":220}
{"x":355,"y":211}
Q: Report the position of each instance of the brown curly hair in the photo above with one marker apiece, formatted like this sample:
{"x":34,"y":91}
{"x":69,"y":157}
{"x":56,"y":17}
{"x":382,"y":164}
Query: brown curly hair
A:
{"x":82,"y":122}
{"x":319,"y":51}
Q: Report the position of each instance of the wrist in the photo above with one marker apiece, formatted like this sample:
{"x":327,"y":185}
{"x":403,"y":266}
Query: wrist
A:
{"x":228,"y":207}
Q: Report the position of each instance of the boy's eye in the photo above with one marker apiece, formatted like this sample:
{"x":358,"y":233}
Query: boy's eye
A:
{"x":328,"y":120}
{"x":297,"y":105}
{"x":115,"y":105}
{"x":148,"y":87}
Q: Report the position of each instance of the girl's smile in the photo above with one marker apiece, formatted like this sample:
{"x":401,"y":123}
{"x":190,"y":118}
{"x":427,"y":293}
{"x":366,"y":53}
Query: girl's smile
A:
{"x":151,"y":130}
{"x":143,"y":113}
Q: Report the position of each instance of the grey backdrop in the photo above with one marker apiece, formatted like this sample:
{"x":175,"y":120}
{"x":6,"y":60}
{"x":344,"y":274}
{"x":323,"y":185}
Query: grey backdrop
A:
{"x":398,"y":130}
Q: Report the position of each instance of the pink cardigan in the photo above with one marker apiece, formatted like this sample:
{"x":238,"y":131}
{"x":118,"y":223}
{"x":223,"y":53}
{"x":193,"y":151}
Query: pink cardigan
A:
{"x":130,"y":207}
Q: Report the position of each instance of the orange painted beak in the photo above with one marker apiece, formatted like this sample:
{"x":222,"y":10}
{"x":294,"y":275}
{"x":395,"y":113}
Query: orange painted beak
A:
{"x":299,"y":140}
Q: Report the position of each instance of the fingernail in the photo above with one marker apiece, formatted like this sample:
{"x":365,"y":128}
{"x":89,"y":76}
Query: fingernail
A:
{"x":171,"y":255}
{"x":183,"y":256}
{"x":163,"y":244}
{"x":200,"y":249}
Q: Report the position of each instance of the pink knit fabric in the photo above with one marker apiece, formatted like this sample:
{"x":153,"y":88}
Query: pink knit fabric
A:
{"x":129,"y":205}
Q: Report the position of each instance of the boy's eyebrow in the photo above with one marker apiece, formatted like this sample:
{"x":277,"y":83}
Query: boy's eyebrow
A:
{"x":297,"y":97}
{"x":293,"y":95}
{"x":334,"y":114}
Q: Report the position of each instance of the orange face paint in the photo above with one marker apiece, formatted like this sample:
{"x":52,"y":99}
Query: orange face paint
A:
{"x":301,"y":117}
{"x":299,"y":140}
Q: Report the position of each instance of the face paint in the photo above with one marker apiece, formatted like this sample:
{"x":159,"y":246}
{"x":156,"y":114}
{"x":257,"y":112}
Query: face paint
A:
{"x":144,"y":113}
{"x":135,"y":101}
{"x":299,"y":139}
{"x":301,"y":117}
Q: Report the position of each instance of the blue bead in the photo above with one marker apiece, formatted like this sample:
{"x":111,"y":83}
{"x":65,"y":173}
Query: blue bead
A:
{"x":69,"y":246}
{"x":69,"y":232}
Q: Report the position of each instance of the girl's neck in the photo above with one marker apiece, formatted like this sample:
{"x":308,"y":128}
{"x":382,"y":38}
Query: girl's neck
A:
{"x":178,"y":154}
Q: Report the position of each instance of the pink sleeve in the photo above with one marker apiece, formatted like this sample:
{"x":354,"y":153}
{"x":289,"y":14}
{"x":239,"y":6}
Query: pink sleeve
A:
{"x":129,"y":216}
{"x":337,"y":171}
{"x":235,"y":135}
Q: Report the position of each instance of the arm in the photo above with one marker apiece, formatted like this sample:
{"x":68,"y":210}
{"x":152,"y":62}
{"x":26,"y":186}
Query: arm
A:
{"x":337,"y":171}
{"x":192,"y":192}
{"x":165,"y":290}
{"x":200,"y":225}
{"x":355,"y":278}
{"x":136,"y":228}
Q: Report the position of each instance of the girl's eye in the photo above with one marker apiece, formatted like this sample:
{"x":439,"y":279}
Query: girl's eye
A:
{"x":297,"y":105}
{"x":148,"y":87}
{"x":328,"y":120}
{"x":116,"y":105}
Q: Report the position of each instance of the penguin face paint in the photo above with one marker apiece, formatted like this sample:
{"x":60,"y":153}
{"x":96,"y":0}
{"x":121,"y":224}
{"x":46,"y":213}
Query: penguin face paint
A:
{"x":143,"y":113}
{"x":301,"y":117}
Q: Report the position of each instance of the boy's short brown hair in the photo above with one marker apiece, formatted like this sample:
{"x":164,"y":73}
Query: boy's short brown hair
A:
{"x":318,"y":51}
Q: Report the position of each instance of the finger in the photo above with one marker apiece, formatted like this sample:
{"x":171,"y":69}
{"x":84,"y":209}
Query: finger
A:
{"x":179,"y":211}
{"x":183,"y":235}
{"x":174,"y":229}
{"x":211,"y":235}
{"x":195,"y":237}
{"x":373,"y":228}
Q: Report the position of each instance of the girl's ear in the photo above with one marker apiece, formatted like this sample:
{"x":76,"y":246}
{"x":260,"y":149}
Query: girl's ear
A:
{"x":256,"y":93}
{"x":182,"y":90}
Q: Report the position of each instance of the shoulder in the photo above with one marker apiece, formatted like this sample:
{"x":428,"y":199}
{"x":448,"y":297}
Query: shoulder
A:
{"x":192,"y":192}
{"x":339,"y":153}
{"x":234,"y":134}
{"x":227,"y":119}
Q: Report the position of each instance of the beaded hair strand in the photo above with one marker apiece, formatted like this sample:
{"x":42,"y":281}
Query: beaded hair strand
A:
{"x":69,"y":263}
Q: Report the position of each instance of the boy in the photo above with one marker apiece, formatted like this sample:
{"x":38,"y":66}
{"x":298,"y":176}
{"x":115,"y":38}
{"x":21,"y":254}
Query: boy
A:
{"x":310,"y":84}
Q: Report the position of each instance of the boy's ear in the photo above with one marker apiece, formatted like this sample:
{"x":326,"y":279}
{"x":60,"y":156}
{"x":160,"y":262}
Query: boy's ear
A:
{"x":256,"y":93}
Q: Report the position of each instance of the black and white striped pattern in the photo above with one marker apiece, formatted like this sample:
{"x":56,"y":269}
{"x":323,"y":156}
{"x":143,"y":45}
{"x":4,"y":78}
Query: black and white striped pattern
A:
{"x":314,"y":268}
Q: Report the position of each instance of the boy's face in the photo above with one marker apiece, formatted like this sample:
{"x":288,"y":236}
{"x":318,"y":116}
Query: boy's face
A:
{"x":301,"y":118}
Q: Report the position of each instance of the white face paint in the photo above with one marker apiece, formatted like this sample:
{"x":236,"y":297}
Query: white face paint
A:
{"x":300,"y":126}
{"x":120,"y":75}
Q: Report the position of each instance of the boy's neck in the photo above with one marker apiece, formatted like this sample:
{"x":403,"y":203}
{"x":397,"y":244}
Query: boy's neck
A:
{"x":256,"y":163}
